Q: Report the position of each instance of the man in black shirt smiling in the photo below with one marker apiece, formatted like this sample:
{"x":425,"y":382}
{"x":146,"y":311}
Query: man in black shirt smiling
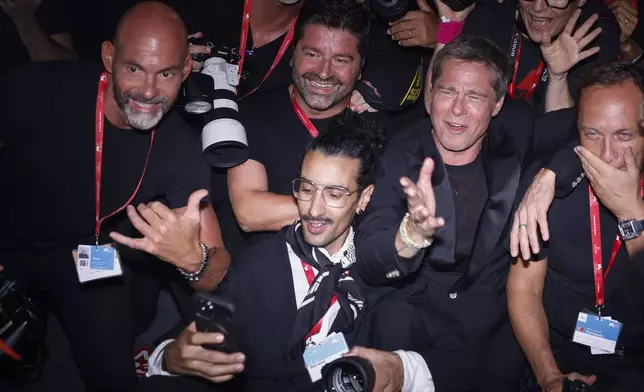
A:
{"x":74,"y":160}
{"x":584,"y":269}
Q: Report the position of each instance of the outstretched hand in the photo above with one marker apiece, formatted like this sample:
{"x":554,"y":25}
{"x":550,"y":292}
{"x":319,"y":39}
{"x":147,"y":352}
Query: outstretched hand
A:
{"x":568,"y":49}
{"x":171,"y":235}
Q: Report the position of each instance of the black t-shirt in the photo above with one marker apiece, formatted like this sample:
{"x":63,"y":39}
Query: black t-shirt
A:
{"x":52,"y":19}
{"x":469,"y":192}
{"x":505,"y":24}
{"x":569,"y":282}
{"x":47,"y":165}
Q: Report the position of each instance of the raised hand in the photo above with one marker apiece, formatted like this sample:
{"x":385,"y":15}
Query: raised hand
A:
{"x":626,"y":16}
{"x":533,"y":213}
{"x":618,"y":189}
{"x":568,"y":50}
{"x":421,"y":204}
{"x":172,"y":236}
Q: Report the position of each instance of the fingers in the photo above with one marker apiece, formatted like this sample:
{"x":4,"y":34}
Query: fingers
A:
{"x":401,"y":26}
{"x":524,"y":242}
{"x":140,"y":224}
{"x":162,"y":211}
{"x":194,"y":204}
{"x":631,"y":163}
{"x":198,"y":34}
{"x":590,"y":38}
{"x":587,"y":379}
{"x":423,"y":6}
{"x":585,"y":28}
{"x":213,"y":370}
{"x":572,"y":22}
{"x":150,"y":216}
{"x":426,"y":171}
{"x":587,"y":53}
{"x":201,"y":338}
{"x":402,"y":35}
{"x":134,"y":243}
{"x":194,"y":49}
{"x":542,"y":220}
{"x":514,"y":236}
{"x":532,"y":230}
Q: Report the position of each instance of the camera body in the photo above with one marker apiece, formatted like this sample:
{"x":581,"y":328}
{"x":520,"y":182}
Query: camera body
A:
{"x":213,"y":93}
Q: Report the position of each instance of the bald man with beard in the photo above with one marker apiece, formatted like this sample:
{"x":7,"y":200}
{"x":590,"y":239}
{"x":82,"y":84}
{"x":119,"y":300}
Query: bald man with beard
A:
{"x":152,"y":207}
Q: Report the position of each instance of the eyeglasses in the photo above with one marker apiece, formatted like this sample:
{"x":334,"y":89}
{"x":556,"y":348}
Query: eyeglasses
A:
{"x":556,"y":4}
{"x":334,"y":196}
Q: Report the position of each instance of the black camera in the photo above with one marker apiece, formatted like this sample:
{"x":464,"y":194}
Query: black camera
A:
{"x":390,"y":10}
{"x":213,"y":93}
{"x":348,"y":374}
{"x":576,"y":386}
{"x":22,"y":331}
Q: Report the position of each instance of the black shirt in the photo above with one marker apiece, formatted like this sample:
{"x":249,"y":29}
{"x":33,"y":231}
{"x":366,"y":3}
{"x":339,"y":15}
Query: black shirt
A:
{"x":469,"y":192}
{"x":569,"y":282}
{"x":505,"y":24}
{"x":47,"y":165}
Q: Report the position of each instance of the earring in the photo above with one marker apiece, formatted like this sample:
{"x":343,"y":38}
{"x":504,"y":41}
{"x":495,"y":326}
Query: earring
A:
{"x":360,"y":211}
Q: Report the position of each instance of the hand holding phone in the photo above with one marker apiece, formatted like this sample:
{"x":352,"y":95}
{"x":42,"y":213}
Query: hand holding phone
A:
{"x":214,"y":313}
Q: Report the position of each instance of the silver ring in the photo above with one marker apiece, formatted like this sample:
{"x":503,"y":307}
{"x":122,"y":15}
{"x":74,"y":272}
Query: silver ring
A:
{"x":523,"y":226}
{"x":409,"y":31}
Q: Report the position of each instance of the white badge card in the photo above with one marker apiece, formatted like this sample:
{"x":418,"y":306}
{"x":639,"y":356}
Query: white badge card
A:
{"x":600,"y":333}
{"x":327,"y":351}
{"x":96,"y":262}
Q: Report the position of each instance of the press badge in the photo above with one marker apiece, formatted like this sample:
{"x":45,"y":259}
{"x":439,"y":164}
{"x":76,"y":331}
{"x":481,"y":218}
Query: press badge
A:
{"x":598,"y":333}
{"x":327,"y":351}
{"x":96,"y":262}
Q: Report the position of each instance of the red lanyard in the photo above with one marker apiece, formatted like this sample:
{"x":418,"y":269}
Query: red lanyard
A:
{"x":243,"y":40}
{"x":310,"y":276}
{"x":529,"y":84}
{"x":100,"y":127}
{"x":303,"y":117}
{"x":595,"y":233}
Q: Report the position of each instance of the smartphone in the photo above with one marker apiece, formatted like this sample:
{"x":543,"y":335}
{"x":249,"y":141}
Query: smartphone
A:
{"x":213,"y":313}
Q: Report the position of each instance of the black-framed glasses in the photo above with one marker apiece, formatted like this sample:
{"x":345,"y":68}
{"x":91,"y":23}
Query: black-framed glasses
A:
{"x":556,"y":4}
{"x":334,"y":196}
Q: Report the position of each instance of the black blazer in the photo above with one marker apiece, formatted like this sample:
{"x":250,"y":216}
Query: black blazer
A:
{"x":261,"y":285}
{"x":476,"y":298}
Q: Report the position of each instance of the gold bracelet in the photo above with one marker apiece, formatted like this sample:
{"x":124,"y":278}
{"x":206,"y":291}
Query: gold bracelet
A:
{"x":408,"y":242}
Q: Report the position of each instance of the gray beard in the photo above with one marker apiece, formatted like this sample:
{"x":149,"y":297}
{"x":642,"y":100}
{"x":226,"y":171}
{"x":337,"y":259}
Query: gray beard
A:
{"x":289,"y":2}
{"x":142,"y":121}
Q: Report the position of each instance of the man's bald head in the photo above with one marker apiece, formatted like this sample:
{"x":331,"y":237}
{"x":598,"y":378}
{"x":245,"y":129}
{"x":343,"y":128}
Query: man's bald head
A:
{"x":148,"y":61}
{"x":154,"y":20}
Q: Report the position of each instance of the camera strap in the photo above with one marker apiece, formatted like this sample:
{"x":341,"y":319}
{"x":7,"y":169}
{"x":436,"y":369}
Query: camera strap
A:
{"x":100,"y":128}
{"x":303,"y":117}
{"x":595,"y":234}
{"x":243,"y":42}
{"x":531,"y":81}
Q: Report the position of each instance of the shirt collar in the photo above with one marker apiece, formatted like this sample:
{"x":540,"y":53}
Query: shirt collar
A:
{"x":337,"y":256}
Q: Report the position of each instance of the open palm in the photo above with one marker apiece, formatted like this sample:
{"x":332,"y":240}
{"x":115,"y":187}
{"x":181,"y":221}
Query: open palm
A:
{"x":568,"y":49}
